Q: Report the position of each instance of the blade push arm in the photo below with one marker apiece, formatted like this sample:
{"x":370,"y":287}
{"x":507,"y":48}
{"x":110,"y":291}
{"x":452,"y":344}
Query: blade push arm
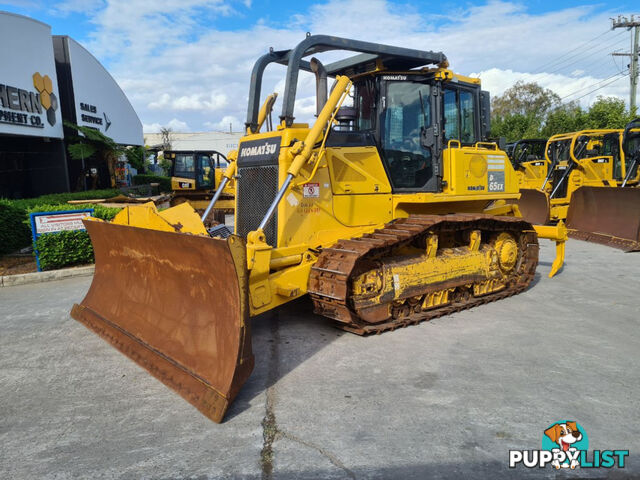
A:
{"x":301,"y":151}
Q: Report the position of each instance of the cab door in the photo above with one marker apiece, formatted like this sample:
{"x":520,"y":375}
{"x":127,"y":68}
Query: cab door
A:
{"x":205,"y":171}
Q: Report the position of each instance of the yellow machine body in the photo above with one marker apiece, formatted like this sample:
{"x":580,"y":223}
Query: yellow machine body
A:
{"x":352,"y":196}
{"x":592,"y":169}
{"x":376,"y":234}
{"x":579,"y":180}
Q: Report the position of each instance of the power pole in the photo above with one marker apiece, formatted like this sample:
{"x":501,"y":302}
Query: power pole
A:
{"x":629,"y":23}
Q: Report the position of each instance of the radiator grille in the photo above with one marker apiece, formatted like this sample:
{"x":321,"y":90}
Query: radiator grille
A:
{"x":257,"y":187}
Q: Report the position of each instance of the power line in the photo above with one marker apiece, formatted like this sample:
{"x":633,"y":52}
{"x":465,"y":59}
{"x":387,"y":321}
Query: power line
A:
{"x":591,"y":54}
{"x":624,"y":22}
{"x":594,"y":84}
{"x":596,"y":89}
{"x":559,"y":59}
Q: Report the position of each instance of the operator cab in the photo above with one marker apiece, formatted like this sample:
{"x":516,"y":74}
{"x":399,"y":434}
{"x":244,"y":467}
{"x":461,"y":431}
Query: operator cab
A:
{"x":196,"y":165}
{"x":411,"y":118}
{"x":407,"y":104}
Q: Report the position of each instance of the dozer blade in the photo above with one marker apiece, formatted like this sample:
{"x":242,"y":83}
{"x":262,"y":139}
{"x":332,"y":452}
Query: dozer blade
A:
{"x":177,"y":305}
{"x":606,"y":215}
{"x":534,"y":206}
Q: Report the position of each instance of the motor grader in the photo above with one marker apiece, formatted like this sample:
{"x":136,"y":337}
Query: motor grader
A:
{"x":581,"y":175}
{"x":387,"y":211}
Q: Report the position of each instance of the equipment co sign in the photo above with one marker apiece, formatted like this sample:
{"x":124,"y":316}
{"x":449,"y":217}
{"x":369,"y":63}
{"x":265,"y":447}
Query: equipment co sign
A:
{"x":58,"y":222}
{"x":28,"y":82}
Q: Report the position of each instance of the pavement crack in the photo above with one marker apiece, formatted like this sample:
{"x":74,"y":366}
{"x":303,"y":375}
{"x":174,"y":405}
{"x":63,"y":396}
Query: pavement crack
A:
{"x":269,"y":426}
{"x":332,"y":458}
{"x":270,"y":431}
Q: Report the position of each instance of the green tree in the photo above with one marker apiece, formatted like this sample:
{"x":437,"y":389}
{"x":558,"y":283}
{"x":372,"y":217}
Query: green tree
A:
{"x":137,"y":158}
{"x":608,"y":112}
{"x":528,"y":99}
{"x":92,"y":142}
{"x":528,"y":110}
{"x":516,"y":126}
{"x":520,"y":111}
{"x":566,"y":118}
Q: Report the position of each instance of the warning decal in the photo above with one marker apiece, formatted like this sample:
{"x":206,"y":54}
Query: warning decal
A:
{"x":311,"y":190}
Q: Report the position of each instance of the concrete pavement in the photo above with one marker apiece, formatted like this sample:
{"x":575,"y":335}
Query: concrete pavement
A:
{"x":445,"y":399}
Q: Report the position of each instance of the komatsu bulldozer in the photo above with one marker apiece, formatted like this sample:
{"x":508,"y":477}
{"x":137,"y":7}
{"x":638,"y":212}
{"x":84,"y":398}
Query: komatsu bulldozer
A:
{"x":580,"y":182}
{"x":195,"y":176}
{"x":609,"y":213}
{"x":389,"y":210}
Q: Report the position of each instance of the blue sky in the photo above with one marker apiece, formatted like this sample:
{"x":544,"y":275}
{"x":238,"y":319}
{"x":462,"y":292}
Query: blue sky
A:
{"x":186,"y":63}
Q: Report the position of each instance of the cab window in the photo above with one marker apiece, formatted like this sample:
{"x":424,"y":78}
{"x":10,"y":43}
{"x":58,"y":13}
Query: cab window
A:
{"x":559,"y":150}
{"x":184,"y":165}
{"x":407,"y":109}
{"x":611,"y":147}
{"x":206,"y":171}
{"x":459,"y":115}
{"x":365,"y":102}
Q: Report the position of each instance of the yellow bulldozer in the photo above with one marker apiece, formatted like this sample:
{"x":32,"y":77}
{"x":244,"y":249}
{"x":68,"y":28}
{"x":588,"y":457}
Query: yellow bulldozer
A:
{"x":195,"y":176}
{"x":391,"y":209}
{"x":586,"y":178}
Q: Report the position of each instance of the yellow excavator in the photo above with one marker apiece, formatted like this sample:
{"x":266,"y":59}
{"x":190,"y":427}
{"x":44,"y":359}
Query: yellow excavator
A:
{"x":195,"y":176}
{"x":584,"y":179}
{"x":391,"y":209}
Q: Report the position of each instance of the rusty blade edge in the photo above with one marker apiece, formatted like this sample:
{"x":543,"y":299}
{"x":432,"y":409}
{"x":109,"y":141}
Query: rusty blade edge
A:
{"x":189,"y":386}
{"x":624,"y":244}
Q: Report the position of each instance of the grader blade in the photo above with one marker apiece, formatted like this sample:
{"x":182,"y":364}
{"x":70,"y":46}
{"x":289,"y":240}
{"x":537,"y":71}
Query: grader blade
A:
{"x":176,"y":304}
{"x":606,"y":215}
{"x":534,"y":206}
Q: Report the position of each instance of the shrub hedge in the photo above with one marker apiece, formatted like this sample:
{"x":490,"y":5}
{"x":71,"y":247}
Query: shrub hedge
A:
{"x":14,"y":234}
{"x":64,"y":249}
{"x":165,"y":182}
{"x":56,"y":249}
{"x":62,"y":198}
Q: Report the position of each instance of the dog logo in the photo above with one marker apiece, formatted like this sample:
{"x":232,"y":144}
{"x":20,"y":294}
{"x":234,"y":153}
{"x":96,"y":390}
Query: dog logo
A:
{"x":565,"y":444}
{"x":567,"y":437}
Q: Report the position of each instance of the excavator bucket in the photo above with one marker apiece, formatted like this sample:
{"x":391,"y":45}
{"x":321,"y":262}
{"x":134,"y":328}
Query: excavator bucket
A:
{"x":534,"y":206}
{"x":607,"y":215}
{"x":176,"y":304}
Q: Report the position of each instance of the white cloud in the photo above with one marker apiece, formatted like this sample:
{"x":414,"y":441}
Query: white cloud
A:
{"x":76,"y":6}
{"x":223,"y":125}
{"x":190,"y":102}
{"x":567,"y":87}
{"x":174,"y":124}
{"x":175,"y":69}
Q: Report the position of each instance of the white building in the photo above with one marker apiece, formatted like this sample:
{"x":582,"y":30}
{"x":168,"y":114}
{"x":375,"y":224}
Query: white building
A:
{"x":221,"y":142}
{"x":44,"y":80}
